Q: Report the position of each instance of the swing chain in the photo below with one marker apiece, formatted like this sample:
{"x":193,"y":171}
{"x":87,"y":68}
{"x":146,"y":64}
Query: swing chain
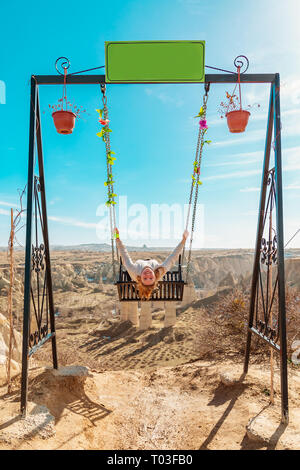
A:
{"x":199,"y":140}
{"x":103,"y":91}
{"x":197,"y":165}
{"x":110,"y":187}
{"x":207,"y":88}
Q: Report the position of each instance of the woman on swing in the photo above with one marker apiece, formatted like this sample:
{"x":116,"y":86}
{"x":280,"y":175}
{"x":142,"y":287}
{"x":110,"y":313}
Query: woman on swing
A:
{"x":147,"y":273}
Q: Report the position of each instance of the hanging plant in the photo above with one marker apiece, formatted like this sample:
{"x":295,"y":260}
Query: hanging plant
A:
{"x":237,"y":117}
{"x":110,"y":160}
{"x":64,"y":119}
{"x":64,"y":112}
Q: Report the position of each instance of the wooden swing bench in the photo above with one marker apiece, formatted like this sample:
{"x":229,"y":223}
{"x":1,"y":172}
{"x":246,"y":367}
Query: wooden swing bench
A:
{"x":169,"y":289}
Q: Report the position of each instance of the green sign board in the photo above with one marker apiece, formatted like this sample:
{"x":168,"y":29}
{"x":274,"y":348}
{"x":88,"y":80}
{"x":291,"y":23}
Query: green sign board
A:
{"x":154,"y":61}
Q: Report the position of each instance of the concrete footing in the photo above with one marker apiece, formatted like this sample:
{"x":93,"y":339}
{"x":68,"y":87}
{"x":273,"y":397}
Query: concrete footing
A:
{"x":170,"y":314}
{"x":189,"y":295}
{"x":133,"y":313}
{"x":143,"y":320}
{"x":124,"y":310}
{"x":145,"y":316}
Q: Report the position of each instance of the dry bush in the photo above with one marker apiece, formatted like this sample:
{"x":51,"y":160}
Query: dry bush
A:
{"x":293,"y":317}
{"x":231,"y":312}
{"x":67,"y":356}
{"x":224,"y":333}
{"x":227,"y":321}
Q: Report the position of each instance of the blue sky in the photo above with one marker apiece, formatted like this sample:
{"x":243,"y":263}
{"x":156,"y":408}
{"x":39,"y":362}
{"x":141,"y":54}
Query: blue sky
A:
{"x":154,"y":132}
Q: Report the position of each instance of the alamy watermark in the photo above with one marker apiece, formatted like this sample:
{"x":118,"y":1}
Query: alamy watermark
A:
{"x":2,"y":92}
{"x":154,"y":224}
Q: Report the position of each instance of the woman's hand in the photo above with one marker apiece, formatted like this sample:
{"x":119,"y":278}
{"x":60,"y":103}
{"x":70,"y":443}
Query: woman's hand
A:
{"x":185,"y":235}
{"x":116,"y":234}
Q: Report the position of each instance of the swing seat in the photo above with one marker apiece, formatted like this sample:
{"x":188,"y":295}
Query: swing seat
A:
{"x":169,"y":289}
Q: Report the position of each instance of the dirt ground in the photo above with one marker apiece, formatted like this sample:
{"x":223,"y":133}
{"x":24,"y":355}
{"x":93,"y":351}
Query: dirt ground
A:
{"x":182,"y":407}
{"x":156,"y":389}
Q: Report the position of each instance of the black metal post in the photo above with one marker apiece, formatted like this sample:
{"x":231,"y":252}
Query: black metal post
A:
{"x":259,"y":234}
{"x":280,"y":240}
{"x":27,"y":276}
{"x":45,"y":229}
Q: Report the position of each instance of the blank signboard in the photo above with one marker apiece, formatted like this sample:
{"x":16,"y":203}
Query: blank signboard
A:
{"x":155,"y":61}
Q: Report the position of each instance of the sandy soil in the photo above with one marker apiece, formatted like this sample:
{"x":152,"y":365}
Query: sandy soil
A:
{"x":156,"y":389}
{"x":183,"y":407}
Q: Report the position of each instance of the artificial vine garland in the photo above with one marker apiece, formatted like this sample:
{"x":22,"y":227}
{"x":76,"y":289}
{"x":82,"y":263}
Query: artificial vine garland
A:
{"x":110,"y":160}
{"x":203,"y":129}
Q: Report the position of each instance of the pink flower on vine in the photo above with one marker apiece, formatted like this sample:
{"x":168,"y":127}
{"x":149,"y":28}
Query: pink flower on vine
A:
{"x":104,"y":122}
{"x":203,"y":124}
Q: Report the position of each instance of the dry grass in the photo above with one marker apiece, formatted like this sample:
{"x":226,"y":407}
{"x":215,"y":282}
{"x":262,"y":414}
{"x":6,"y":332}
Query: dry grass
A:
{"x":229,"y":317}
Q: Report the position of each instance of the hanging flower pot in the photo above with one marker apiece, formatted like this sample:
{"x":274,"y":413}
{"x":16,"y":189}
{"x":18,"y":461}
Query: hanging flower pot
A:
{"x":237,"y":120}
{"x":64,"y":121}
{"x":237,"y":117}
{"x":64,"y":112}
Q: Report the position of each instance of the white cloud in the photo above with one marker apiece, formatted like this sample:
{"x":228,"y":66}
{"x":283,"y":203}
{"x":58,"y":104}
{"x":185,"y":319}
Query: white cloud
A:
{"x":9,"y":204}
{"x":290,"y":91}
{"x":291,"y":112}
{"x":258,"y":155}
{"x":164,"y":97}
{"x":252,"y":136}
{"x":289,"y":187}
{"x":249,"y":190}
{"x":4,"y":212}
{"x":241,"y":159}
{"x":257,"y":95}
{"x":73,"y":222}
{"x":54,"y":201}
{"x":292,"y":187}
{"x":236,"y":174}
{"x":291,"y":158}
{"x":250,"y":213}
{"x":232,"y":163}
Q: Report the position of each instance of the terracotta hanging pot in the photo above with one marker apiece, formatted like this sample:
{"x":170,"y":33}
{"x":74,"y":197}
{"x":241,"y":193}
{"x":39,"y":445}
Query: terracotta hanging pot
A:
{"x":64,"y":121}
{"x":237,"y":120}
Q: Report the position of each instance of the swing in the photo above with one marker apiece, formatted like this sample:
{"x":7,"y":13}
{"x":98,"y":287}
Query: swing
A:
{"x":171,"y":287}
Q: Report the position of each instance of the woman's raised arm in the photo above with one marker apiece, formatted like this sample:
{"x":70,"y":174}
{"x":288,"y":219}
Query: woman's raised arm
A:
{"x":172,"y":258}
{"x":126,"y":260}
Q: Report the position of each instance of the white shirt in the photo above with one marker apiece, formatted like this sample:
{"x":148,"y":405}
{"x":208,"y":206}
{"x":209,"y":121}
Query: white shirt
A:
{"x":135,"y":269}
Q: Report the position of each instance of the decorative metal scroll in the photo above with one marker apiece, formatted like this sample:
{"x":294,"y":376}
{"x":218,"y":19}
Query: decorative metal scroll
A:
{"x":62,"y":62}
{"x":240,"y":61}
{"x":40,"y":324}
{"x":266,"y":315}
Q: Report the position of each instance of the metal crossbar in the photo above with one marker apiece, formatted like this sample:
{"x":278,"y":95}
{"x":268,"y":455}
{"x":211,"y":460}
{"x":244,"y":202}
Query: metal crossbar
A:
{"x":98,"y":79}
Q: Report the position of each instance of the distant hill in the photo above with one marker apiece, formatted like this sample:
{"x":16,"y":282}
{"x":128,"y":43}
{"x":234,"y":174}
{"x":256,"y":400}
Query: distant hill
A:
{"x":94,"y":247}
{"x":105,"y":247}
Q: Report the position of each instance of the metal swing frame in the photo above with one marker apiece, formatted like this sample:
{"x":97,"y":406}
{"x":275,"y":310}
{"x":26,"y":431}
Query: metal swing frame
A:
{"x":261,"y":330}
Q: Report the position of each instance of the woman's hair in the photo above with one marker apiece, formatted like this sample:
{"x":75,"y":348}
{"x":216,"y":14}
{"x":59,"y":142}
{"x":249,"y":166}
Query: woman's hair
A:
{"x":146,"y":291}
